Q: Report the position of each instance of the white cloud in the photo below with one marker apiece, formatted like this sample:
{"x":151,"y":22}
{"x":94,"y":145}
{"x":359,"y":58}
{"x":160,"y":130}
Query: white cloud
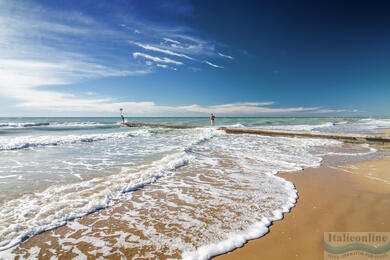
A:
{"x":156,"y":49}
{"x":225,"y":56}
{"x":246,"y":108}
{"x":22,"y":80}
{"x":322,"y":111}
{"x":162,"y":65}
{"x":156,"y":59}
{"x":195,"y":46}
{"x":39,"y":52}
{"x":212,"y":64}
{"x":172,"y":41}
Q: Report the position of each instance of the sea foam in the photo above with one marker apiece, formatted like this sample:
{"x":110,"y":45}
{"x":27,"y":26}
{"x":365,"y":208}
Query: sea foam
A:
{"x":56,"y":125}
{"x":33,"y":213}
{"x":23,"y":142}
{"x":226,"y":193}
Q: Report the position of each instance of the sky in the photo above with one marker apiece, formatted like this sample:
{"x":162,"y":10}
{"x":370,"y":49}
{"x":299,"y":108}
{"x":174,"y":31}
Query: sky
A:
{"x":192,"y":58}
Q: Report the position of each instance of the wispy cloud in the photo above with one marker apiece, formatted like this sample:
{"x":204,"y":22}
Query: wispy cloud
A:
{"x":62,"y":103}
{"x":42,"y":49}
{"x":26,"y":87}
{"x":225,"y":56}
{"x":156,"y":59}
{"x":212,"y":64}
{"x":246,"y":108}
{"x":162,"y":65}
{"x":328,"y":111}
{"x":156,"y":49}
{"x":172,"y":41}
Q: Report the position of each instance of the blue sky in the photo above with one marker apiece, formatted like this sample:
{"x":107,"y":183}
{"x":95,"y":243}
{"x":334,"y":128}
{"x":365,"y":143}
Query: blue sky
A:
{"x":191,"y":58}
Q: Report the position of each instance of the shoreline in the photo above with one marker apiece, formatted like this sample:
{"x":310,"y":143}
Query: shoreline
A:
{"x":330,"y":200}
{"x":326,"y":194}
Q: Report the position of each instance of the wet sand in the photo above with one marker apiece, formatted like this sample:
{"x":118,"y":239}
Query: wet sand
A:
{"x":352,"y":197}
{"x":133,"y":229}
{"x":344,"y":199}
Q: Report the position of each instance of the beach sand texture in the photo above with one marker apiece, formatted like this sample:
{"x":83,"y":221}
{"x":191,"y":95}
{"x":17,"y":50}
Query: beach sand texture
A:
{"x":330,"y":200}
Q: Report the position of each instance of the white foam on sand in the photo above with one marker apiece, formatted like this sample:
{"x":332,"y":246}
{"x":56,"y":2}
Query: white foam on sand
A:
{"x":215,"y":190}
{"x":238,"y":239}
{"x":226,"y":194}
{"x":33,"y":213}
{"x":267,"y":155}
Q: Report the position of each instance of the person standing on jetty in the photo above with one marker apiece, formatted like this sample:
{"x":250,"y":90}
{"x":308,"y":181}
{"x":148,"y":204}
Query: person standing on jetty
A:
{"x":212,"y":117}
{"x":122,"y":117}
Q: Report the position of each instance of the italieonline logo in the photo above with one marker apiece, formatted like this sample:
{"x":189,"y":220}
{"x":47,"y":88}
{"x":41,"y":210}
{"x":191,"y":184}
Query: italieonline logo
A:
{"x":356,"y":245}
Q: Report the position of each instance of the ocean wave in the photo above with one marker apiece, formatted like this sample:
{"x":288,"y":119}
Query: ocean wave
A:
{"x":374,"y":123}
{"x":22,"y":125}
{"x":296,"y":127}
{"x":362,"y":126}
{"x":236,"y":171}
{"x":23,"y":142}
{"x":55,"y":125}
{"x":247,"y":186}
{"x":238,"y":125}
{"x":34,"y":213}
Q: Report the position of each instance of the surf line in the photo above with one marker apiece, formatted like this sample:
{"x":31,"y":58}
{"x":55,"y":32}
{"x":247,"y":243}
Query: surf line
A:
{"x":352,"y":138}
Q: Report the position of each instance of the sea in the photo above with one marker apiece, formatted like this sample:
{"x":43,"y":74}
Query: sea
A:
{"x":177,"y":193}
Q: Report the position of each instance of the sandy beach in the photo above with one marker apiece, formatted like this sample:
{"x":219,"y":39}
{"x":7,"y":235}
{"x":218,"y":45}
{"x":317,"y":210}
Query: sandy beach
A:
{"x":352,"y":198}
{"x":194,"y":130}
{"x":347,"y":198}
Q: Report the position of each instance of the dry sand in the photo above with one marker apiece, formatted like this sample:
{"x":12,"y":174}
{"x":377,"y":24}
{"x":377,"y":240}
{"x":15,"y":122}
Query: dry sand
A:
{"x":329,"y":200}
